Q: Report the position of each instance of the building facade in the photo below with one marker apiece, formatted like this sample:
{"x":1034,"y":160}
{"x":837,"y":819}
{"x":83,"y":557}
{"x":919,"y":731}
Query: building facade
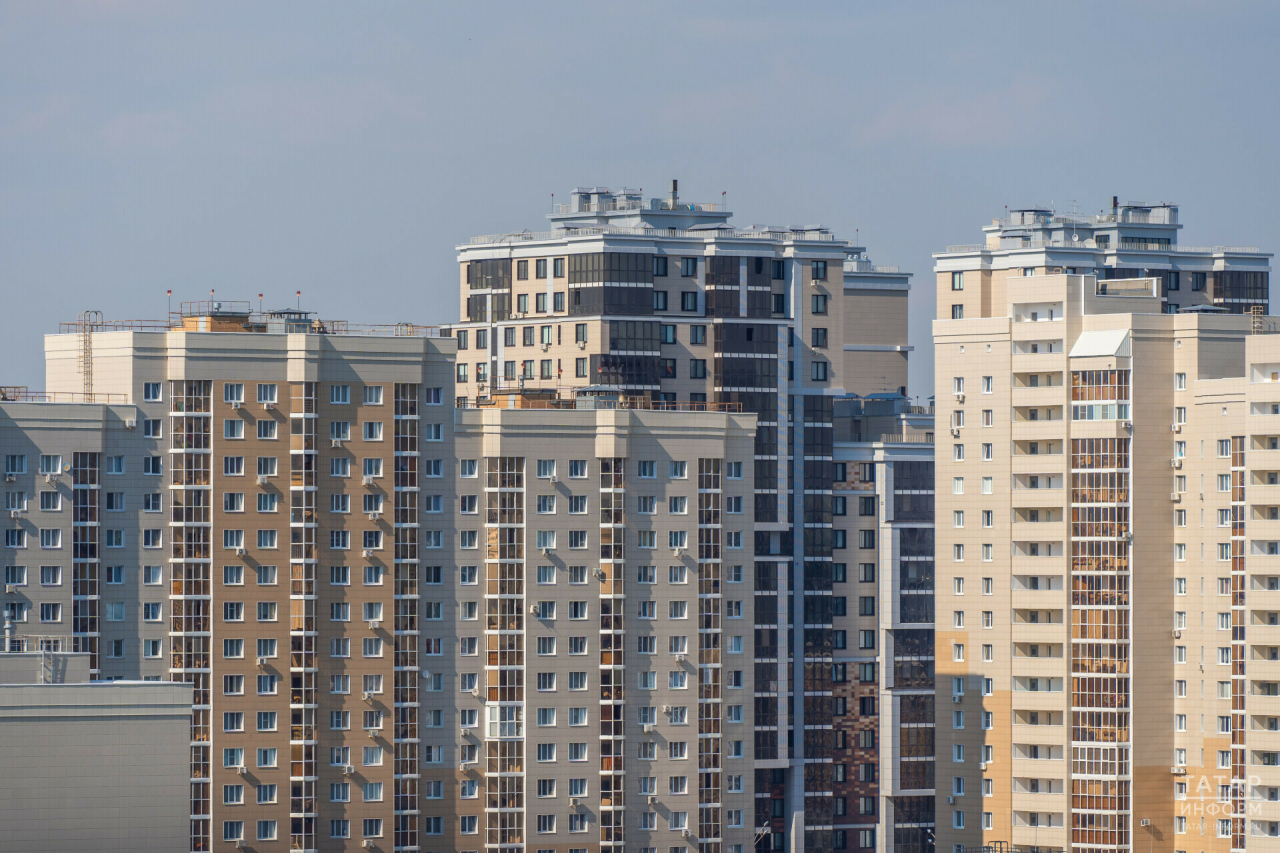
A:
{"x":1077,"y":718}
{"x":67,"y":743}
{"x":884,"y":682}
{"x":374,"y":552}
{"x":366,"y":688}
{"x":668,"y":300}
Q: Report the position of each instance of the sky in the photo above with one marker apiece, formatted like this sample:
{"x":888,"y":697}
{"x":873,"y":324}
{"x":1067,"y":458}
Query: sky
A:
{"x":345,"y":149}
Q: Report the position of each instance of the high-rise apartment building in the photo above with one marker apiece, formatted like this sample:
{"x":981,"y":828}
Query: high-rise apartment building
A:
{"x":1098,"y":641}
{"x":884,"y":680}
{"x":474,"y":589}
{"x":666,"y":299}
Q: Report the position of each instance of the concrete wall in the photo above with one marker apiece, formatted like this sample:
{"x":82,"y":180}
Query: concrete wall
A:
{"x":99,"y":767}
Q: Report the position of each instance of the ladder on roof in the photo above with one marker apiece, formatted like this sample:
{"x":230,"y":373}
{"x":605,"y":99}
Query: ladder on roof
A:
{"x":1255,"y":314}
{"x":84,"y":328}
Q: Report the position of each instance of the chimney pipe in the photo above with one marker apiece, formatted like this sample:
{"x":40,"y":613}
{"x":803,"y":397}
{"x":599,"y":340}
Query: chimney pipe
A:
{"x":675,"y":192}
{"x":1115,"y":204}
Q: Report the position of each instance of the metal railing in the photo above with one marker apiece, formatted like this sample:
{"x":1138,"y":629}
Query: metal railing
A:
{"x":652,"y":233}
{"x":623,"y":402}
{"x":1007,"y":243}
{"x":259,"y":322}
{"x":626,"y":205}
{"x":892,"y":438}
{"x":27,"y":643}
{"x":1157,"y":216}
{"x":21,"y":394}
{"x":867,"y":266}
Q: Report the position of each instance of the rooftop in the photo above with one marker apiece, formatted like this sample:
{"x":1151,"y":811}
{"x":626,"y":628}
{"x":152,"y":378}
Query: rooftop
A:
{"x":240,"y":317}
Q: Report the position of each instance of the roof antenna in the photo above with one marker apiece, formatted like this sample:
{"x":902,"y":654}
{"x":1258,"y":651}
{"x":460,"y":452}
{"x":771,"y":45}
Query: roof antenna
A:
{"x":299,"y":300}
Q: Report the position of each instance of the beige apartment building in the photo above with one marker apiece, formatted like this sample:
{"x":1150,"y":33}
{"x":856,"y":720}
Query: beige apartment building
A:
{"x":1101,"y":588}
{"x":292,"y":516}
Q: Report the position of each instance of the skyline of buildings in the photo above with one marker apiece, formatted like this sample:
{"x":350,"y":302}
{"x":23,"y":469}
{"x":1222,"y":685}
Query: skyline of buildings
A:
{"x":510,"y":661}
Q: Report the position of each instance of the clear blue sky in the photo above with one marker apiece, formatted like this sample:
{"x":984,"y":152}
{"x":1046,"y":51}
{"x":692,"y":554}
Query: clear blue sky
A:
{"x":344,"y":149}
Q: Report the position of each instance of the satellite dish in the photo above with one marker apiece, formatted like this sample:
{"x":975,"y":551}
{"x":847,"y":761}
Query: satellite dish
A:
{"x":1075,"y":238}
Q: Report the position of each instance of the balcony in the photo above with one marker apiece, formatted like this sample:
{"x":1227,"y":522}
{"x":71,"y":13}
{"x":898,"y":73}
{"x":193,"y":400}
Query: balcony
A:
{"x":1039,"y":362}
{"x":1042,"y":838}
{"x":1043,"y":632}
{"x":1052,"y":395}
{"x":1038,"y":599}
{"x":1040,"y":531}
{"x":1044,"y":429}
{"x":1050,"y":669}
{"x":1025,"y":801}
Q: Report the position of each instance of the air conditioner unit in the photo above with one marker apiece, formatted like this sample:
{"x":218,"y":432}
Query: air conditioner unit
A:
{"x":955,"y":432}
{"x":1178,"y":771}
{"x":533,"y":608}
{"x":951,"y":800}
{"x":349,"y":769}
{"x":1175,"y":463}
{"x":982,"y":765}
{"x":241,"y":769}
{"x":262,"y":661}
{"x":582,"y":344}
{"x":552,"y":479}
{"x":679,"y":658}
{"x":132,"y":423}
{"x":262,"y":479}
{"x":10,"y":588}
{"x":367,"y":695}
{"x":15,"y":513}
{"x":1175,"y":496}
{"x":9,"y":478}
{"x":1126,"y":425}
{"x":600,"y":573}
{"x":546,"y":551}
{"x":367,"y":480}
{"x":475,"y":691}
{"x":372,"y":733}
{"x":374,"y":623}
{"x":959,"y":396}
{"x":1144,"y":822}
{"x":270,"y":406}
{"x":666,"y":709}
{"x":375,"y":515}
{"x":240,"y":552}
{"x":366,"y":552}
{"x":957,"y":697}
{"x":686,"y":833}
{"x":239,"y":843}
{"x":335,"y":442}
{"x":648,"y":728}
{"x":653,"y":800}
{"x":546,"y":347}
{"x":48,"y":478}
{"x":367,"y":844}
{"x":1176,"y":427}
{"x":677,"y":552}
{"x":235,"y":404}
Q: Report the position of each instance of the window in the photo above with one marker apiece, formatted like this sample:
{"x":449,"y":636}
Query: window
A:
{"x":818,"y":303}
{"x":819,"y":371}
